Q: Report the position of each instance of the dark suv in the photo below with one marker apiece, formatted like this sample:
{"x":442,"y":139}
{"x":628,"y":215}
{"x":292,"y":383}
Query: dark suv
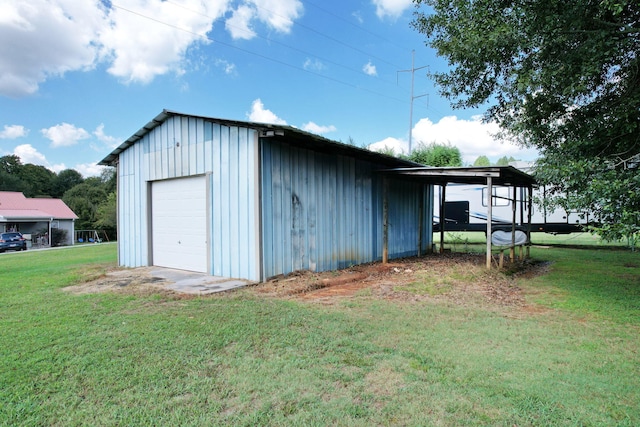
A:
{"x":12,"y":241}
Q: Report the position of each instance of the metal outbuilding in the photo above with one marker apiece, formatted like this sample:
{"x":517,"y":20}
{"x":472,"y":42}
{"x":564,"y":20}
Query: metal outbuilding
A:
{"x":252,"y":201}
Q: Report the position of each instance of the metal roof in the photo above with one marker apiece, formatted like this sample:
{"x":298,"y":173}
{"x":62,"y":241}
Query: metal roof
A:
{"x":287,"y":134}
{"x":500,"y":175}
{"x":15,"y":205}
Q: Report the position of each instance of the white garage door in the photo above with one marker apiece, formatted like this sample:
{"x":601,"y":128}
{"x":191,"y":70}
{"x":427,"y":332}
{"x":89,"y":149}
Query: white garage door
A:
{"x":179,"y":223}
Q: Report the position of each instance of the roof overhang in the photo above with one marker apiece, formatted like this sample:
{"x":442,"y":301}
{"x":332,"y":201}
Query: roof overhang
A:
{"x":500,"y":175}
{"x":24,"y":215}
{"x":282,"y":133}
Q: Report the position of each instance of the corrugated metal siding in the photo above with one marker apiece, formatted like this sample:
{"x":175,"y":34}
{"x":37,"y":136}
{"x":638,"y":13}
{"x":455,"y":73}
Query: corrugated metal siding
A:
{"x":188,"y":146}
{"x":324,"y":212}
{"x":132,"y":212}
{"x":404,"y":213}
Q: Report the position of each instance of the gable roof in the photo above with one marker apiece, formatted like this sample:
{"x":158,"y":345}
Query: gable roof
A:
{"x":282,"y":133}
{"x":15,"y":206}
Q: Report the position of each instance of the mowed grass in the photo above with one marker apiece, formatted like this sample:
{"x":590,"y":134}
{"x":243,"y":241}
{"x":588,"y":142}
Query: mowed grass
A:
{"x":571,"y":357}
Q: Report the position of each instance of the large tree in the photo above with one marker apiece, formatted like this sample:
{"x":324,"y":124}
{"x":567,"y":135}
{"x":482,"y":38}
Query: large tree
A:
{"x":560,"y":76}
{"x":85,"y":199}
{"x":10,"y":179}
{"x":65,"y":180}
{"x":37,"y":179}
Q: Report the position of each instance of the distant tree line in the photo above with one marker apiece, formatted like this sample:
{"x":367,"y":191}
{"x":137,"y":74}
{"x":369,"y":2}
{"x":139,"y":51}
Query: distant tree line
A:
{"x":502,"y":161}
{"x":443,"y":155}
{"x":92,"y":199}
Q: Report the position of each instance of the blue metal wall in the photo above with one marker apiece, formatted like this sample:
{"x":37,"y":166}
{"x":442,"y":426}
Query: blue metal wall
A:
{"x":324,"y":211}
{"x":187,"y":146}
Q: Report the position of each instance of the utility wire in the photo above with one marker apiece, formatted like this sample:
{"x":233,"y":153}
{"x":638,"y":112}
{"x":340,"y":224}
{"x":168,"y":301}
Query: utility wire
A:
{"x":268,"y":58}
{"x":359,"y":27}
{"x":293,"y":48}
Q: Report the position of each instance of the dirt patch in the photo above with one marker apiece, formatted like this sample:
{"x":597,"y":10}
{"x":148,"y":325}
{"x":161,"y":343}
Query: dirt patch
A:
{"x":453,"y":277}
{"x":456,"y":278}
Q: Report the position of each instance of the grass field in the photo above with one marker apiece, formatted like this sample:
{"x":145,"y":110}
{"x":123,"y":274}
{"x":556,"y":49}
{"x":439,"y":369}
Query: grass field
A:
{"x":573,"y":239}
{"x":572,"y":357}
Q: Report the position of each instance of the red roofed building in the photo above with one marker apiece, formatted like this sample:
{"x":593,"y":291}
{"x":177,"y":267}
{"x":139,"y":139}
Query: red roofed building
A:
{"x":35,"y":218}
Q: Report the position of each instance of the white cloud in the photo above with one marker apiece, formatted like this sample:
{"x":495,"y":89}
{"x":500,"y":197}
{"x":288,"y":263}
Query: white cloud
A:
{"x":398,"y":146}
{"x":89,"y":169}
{"x":13,"y":132}
{"x":111,"y":141}
{"x":138,"y":40}
{"x":313,"y":65}
{"x":261,"y":115}
{"x":151,"y":37}
{"x":64,"y":135}
{"x":239,"y":25}
{"x":391,"y":8}
{"x":472,"y":137}
{"x":278,"y":15}
{"x":28,"y":154}
{"x":370,"y":69}
{"x":47,"y":38}
{"x":315,"y":128}
{"x":228,"y":67}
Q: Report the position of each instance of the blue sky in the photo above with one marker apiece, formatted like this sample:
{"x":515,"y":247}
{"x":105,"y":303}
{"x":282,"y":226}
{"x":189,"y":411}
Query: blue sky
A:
{"x":77,"y":77}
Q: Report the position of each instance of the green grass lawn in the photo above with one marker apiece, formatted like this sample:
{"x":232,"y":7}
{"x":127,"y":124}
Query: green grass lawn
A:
{"x":572,"y":357}
{"x":459,"y":238}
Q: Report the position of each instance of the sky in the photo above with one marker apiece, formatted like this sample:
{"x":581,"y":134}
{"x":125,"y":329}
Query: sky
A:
{"x":78,"y":77}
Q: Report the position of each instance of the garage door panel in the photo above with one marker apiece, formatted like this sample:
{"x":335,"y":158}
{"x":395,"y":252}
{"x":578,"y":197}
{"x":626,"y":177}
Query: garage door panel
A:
{"x":179,"y":216}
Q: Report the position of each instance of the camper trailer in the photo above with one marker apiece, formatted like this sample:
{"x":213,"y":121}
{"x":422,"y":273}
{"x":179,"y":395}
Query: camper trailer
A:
{"x":466,"y":210}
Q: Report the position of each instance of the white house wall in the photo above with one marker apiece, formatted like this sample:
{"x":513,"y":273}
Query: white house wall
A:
{"x":189,"y":146}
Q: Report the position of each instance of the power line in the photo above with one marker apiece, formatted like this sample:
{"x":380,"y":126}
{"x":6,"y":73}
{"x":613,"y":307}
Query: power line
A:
{"x":293,"y":48}
{"x":359,"y":27}
{"x":413,"y":72}
{"x":268,"y":58}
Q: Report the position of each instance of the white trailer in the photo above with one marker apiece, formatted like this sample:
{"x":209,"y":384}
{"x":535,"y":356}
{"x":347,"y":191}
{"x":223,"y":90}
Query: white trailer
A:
{"x":466,"y":207}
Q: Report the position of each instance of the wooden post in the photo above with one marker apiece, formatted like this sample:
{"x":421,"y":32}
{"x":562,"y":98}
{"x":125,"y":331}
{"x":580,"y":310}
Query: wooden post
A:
{"x":443,"y":218}
{"x":512,"y":252}
{"x":385,"y":220}
{"x":529,"y":214}
{"x":489,"y":219}
{"x":420,"y":218}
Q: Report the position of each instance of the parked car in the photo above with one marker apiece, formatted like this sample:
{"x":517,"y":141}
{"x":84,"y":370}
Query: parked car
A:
{"x":12,"y":241}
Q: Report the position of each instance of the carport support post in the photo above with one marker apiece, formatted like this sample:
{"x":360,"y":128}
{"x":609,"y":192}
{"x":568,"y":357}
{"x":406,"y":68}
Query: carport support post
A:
{"x":385,"y":220}
{"x":443,"y":214}
{"x":512,"y":252}
{"x":489,"y":219}
{"x":529,"y":213}
{"x":420,"y":218}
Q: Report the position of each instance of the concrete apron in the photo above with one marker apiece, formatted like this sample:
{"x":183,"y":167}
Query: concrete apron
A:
{"x":190,"y":282}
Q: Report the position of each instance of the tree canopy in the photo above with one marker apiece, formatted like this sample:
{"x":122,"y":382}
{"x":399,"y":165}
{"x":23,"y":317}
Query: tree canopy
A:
{"x":438,"y":155}
{"x":563,"y":77}
{"x":482,"y":161}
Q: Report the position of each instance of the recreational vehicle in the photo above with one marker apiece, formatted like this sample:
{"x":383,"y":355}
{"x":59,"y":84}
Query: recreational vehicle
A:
{"x":466,"y":210}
